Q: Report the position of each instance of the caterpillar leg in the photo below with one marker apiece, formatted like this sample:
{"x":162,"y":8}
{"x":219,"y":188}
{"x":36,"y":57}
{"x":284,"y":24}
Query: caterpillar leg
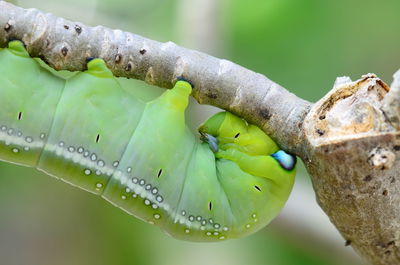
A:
{"x":234,"y":132}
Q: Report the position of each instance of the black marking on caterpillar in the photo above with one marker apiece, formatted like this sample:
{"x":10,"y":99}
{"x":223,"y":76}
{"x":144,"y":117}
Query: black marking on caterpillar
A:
{"x":257,"y":187}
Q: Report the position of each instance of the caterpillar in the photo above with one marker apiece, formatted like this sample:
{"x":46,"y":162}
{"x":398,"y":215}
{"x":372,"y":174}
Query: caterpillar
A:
{"x":87,"y":130}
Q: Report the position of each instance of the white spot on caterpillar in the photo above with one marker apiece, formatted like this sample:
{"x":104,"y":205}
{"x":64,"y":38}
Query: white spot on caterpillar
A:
{"x":216,"y":226}
{"x":26,"y":148}
{"x":71,"y":149}
{"x":61,"y":144}
{"x":159,"y":198}
{"x":86,"y":153}
{"x":216,"y":233}
{"x":254,"y":215}
{"x":204,"y":222}
{"x":221,"y":237}
{"x":183,"y":212}
{"x":154,"y":191}
{"x":98,"y":172}
{"x":142,"y":182}
{"x":101,"y":163}
{"x":208,"y":234}
{"x":19,"y":134}
{"x":87,"y":172}
{"x":187,"y":231}
{"x":42,"y":135}
{"x":191,"y":218}
{"x":80,"y":149}
{"x":157,"y":216}
{"x":3,"y":128}
{"x":115,"y":163}
{"x":127,"y":190}
{"x":202,"y":228}
{"x":129,"y":170}
{"x":93,"y":157}
{"x":148,"y":187}
{"x":147,"y":202}
{"x":210,"y":221}
{"x":151,"y":222}
{"x":134,"y":195}
{"x":248,"y":226}
{"x":198,"y":218}
{"x":99,"y":185}
{"x":123,"y":197}
{"x":15,"y":150}
{"x":135,"y":180}
{"x":29,"y":139}
{"x":155,"y":206}
{"x":10,"y":131}
{"x":225,"y":228}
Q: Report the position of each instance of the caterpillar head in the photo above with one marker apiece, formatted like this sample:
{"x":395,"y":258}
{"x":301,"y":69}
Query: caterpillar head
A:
{"x":230,"y":136}
{"x":227,"y":131}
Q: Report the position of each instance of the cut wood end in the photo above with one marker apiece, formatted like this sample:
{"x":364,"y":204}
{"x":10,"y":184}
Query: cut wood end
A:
{"x":349,"y":110}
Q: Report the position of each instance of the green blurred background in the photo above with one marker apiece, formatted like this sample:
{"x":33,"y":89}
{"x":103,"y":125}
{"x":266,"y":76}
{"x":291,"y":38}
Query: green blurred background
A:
{"x":301,"y":44}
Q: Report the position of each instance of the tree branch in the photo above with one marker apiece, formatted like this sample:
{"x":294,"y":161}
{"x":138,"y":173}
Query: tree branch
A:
{"x":349,"y":140}
{"x":66,"y":45}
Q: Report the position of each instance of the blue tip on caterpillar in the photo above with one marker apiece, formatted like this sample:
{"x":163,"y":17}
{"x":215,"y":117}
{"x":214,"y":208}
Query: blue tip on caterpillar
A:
{"x":287,"y":161}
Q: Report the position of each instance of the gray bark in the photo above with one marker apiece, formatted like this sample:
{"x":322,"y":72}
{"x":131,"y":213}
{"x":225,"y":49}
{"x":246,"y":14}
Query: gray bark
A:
{"x":349,"y":140}
{"x":353,"y":158}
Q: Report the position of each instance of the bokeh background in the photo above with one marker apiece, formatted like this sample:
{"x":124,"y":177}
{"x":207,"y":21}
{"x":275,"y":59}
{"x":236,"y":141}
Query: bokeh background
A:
{"x":301,"y":44}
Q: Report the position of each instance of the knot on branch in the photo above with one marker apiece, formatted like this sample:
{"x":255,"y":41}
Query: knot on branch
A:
{"x":381,"y":158}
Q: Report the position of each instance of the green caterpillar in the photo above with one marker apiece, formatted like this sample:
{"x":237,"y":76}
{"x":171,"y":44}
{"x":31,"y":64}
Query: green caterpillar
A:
{"x":90,"y":132}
